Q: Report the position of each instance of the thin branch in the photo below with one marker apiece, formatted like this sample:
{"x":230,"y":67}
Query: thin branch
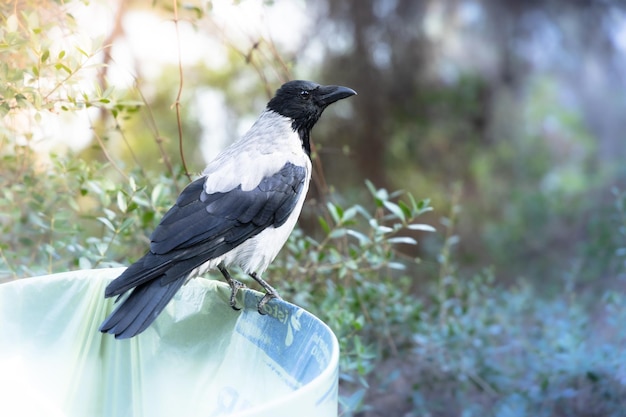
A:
{"x":133,"y":155}
{"x":150,"y":120}
{"x":105,"y":152}
{"x":180,"y":91}
{"x":319,"y":179}
{"x":116,"y":32}
{"x":64,"y":80}
{"x":249,"y":58}
{"x":286,"y":72}
{"x":484,"y":385}
{"x":157,"y":135}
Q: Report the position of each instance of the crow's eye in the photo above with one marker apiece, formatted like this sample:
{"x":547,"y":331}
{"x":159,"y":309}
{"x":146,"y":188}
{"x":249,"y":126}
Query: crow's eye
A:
{"x":305,"y":95}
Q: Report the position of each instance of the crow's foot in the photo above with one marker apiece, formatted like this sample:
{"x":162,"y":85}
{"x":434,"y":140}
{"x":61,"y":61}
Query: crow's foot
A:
{"x":235,"y":286}
{"x":270,"y":292}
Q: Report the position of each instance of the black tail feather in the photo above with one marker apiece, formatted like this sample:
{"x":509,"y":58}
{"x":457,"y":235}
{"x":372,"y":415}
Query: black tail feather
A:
{"x":137,"y":274}
{"x":140,"y":308}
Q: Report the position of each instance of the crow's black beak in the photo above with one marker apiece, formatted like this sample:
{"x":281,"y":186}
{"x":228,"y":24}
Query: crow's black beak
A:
{"x":328,"y":94}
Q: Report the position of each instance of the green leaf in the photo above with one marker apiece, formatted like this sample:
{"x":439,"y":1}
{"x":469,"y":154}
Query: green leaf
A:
{"x":109,"y":213}
{"x":423,"y":206}
{"x":4,"y":109}
{"x":408,"y":213}
{"x":422,"y":227}
{"x":156,"y":194}
{"x":348,"y":214}
{"x":397,"y":266}
{"x":126,"y":223}
{"x":362,"y":211}
{"x":592,"y":376}
{"x":402,"y":239}
{"x":65,"y":68}
{"x":132,"y":206}
{"x":359,"y":322}
{"x":84,"y":263}
{"x":197,"y":10}
{"x":107,"y":223}
{"x":108,"y":91}
{"x":121,"y":202}
{"x":362,"y":238}
{"x":335,"y":212}
{"x":370,"y":186}
{"x":343,"y":271}
{"x":147,"y":218}
{"x":45,"y":55}
{"x":324,"y":225}
{"x":395,"y":209}
{"x":22,"y":101}
{"x":453,"y":240}
{"x":337,"y":233}
{"x":101,"y":247}
{"x":351,"y":264}
{"x":82,"y":52}
{"x":354,"y":401}
{"x":379,"y":228}
{"x":12,"y":23}
{"x":33,"y":21}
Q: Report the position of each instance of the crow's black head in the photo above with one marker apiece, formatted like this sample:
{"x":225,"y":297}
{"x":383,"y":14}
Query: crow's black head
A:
{"x":304,"y":101}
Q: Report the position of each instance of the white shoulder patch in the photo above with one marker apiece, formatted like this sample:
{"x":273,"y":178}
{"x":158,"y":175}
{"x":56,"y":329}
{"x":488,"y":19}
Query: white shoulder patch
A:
{"x":269,"y":144}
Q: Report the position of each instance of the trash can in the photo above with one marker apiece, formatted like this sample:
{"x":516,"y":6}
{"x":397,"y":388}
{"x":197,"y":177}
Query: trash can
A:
{"x":199,"y":358}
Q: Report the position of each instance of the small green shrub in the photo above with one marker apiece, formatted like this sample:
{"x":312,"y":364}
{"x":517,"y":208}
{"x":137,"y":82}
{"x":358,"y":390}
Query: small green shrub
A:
{"x":480,"y":349}
{"x":69,"y":214}
{"x":353,"y":279}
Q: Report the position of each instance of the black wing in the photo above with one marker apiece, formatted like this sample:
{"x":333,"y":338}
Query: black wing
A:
{"x":198,"y":228}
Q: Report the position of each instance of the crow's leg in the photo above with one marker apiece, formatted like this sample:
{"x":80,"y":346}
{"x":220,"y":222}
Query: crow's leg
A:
{"x":270,"y":292}
{"x":235,"y":285}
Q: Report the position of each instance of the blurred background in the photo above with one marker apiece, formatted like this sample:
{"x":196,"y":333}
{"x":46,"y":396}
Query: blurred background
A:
{"x":509,"y":115}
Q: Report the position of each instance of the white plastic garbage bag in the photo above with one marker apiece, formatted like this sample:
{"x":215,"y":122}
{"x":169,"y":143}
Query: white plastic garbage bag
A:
{"x":199,"y":358}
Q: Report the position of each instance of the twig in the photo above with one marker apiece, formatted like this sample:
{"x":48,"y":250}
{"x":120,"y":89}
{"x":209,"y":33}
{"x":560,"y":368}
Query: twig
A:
{"x":445,"y":267}
{"x":319,"y":178}
{"x":180,"y":91}
{"x":482,"y":384}
{"x":130,"y":149}
{"x":157,"y":136}
{"x":116,"y":32}
{"x":249,"y":58}
{"x":105,"y":152}
{"x":286,"y":75}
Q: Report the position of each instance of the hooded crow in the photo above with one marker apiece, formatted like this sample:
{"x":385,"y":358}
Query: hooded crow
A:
{"x":240,"y":212}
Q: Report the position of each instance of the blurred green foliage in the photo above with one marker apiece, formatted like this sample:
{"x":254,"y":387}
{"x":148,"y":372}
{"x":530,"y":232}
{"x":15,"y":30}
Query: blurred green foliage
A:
{"x":512,"y":307}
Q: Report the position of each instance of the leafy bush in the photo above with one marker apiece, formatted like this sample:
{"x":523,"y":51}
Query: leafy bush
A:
{"x":352,"y":280}
{"x":479,"y":349}
{"x":71,"y":215}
